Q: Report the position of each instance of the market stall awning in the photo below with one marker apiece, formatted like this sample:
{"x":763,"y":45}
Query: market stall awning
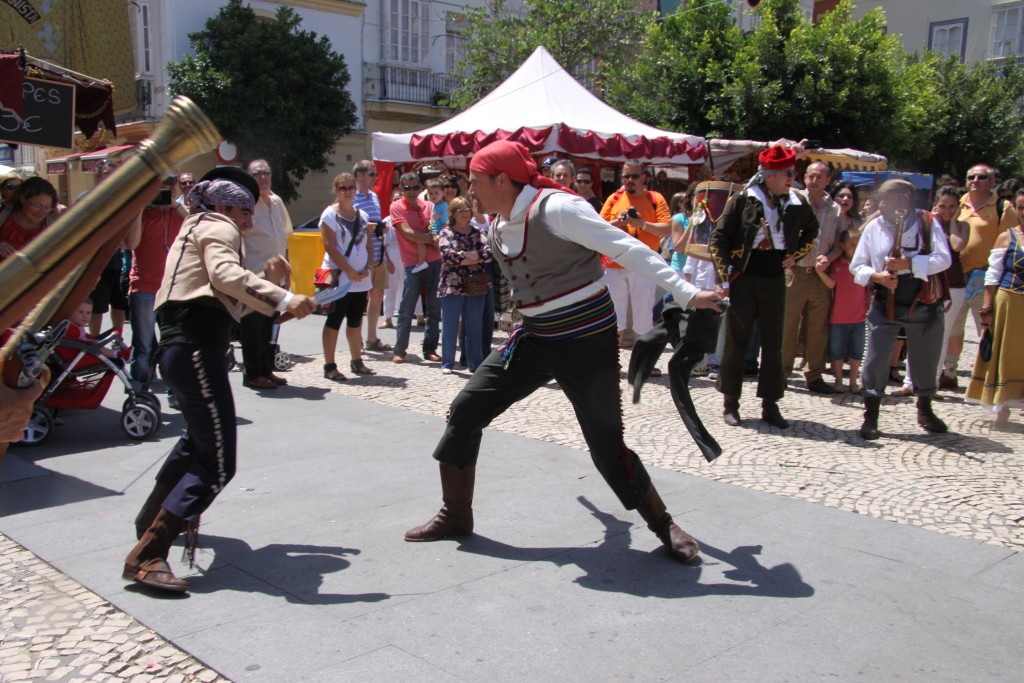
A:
{"x":91,"y":160}
{"x":725,"y":152}
{"x":94,"y":102}
{"x":543,"y":107}
{"x":60,"y":165}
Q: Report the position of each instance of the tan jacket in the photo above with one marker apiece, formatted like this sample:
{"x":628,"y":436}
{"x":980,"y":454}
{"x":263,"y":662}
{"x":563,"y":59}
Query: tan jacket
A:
{"x":205,"y":261}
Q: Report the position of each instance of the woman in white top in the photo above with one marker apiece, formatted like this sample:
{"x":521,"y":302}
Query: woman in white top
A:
{"x":347,"y":250}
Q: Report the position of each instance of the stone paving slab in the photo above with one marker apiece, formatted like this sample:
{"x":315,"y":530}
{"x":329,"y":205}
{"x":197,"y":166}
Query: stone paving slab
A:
{"x":967,"y":483}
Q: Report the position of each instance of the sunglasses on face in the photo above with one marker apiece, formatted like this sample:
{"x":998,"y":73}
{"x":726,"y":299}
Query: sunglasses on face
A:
{"x":345,"y":188}
{"x":259,"y":174}
{"x":411,"y":188}
{"x":632,"y":176}
{"x":978,"y":176}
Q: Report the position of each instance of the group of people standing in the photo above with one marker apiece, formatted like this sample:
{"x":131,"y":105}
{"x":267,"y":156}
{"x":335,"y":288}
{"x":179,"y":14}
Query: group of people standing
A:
{"x":800,"y":268}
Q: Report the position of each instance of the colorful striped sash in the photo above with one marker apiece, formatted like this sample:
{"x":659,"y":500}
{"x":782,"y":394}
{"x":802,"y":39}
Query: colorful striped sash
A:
{"x":583,"y":318}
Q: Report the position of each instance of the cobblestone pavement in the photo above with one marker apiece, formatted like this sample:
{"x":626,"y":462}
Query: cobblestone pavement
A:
{"x":966,"y":483}
{"x":54,"y":629}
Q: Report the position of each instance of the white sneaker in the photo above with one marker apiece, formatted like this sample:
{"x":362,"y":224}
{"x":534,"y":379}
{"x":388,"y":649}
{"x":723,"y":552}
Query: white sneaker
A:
{"x":446,"y":371}
{"x":419,"y":266}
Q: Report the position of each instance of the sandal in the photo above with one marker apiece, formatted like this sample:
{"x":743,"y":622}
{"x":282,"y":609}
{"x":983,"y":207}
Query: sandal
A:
{"x":359,"y":367}
{"x":331,"y":372}
{"x":378,"y":345}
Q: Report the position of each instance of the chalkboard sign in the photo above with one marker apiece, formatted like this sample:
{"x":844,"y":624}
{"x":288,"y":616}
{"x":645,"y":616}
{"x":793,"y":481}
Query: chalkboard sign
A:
{"x":49,"y":119}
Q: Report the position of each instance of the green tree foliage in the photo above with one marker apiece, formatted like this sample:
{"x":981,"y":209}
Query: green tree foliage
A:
{"x":275,"y":91}
{"x":678,"y":76}
{"x":979,"y":119}
{"x":847,"y":83}
{"x":577,"y":33}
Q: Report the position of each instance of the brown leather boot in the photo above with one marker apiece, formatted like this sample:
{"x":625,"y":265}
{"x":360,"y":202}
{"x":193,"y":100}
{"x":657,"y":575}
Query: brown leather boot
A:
{"x":455,"y":518}
{"x":680,"y":544}
{"x":147,"y":562}
{"x":928,"y":419}
{"x":150,"y":509}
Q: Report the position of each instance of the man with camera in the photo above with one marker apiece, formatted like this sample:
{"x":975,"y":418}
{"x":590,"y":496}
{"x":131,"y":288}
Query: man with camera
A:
{"x":149,"y":243}
{"x":268,"y":238}
{"x":381,"y":267}
{"x":643,"y":214}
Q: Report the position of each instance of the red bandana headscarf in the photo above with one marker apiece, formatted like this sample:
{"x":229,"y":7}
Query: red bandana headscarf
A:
{"x":512,"y":158}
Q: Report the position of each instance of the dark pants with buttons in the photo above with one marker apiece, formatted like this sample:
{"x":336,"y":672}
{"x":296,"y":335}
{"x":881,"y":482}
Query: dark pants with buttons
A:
{"x":587,"y":370}
{"x":202,"y":462}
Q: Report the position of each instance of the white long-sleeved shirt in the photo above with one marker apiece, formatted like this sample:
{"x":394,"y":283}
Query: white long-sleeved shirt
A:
{"x":572,"y":218}
{"x":876,"y":245}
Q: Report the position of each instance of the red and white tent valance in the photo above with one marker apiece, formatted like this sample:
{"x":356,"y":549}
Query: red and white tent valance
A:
{"x":547,"y":110}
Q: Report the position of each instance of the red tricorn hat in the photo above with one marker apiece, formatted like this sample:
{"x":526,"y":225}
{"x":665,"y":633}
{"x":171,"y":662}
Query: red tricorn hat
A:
{"x":776,"y":158}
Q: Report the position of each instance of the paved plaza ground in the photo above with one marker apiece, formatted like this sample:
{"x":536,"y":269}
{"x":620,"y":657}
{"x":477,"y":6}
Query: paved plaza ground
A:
{"x":825,"y":556}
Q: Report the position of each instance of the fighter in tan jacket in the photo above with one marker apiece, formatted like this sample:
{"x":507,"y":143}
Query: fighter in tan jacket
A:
{"x":204,"y":292}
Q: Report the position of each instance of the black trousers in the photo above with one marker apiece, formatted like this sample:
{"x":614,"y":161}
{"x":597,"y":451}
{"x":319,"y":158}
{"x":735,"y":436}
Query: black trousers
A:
{"x":761,"y":300}
{"x":202,"y":462}
{"x":587,"y":370}
{"x":255,"y":332}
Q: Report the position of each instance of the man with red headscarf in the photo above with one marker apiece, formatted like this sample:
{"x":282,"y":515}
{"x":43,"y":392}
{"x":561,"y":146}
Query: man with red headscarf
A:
{"x":763,"y":230}
{"x":549,"y":242}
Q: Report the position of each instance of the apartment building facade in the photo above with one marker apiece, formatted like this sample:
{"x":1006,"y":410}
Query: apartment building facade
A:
{"x":401,"y":56}
{"x":972,"y":30}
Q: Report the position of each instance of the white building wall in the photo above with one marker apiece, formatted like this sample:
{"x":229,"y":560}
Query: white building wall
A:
{"x":917,"y":20}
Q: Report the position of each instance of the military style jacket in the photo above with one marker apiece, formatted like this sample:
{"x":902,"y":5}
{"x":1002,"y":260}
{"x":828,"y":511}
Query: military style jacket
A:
{"x":738,"y":230}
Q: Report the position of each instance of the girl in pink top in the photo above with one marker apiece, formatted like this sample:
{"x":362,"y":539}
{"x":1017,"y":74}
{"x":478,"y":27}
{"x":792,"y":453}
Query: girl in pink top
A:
{"x":847,"y":329}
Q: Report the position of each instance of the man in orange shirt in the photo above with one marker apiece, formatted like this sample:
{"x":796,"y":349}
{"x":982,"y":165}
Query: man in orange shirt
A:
{"x":989,"y":216}
{"x":643,"y":214}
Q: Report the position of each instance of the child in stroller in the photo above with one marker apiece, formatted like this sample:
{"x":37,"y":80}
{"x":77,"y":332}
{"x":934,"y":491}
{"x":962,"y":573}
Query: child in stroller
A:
{"x":83,"y":368}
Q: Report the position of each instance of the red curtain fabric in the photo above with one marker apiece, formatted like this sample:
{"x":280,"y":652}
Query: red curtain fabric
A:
{"x":12,"y":78}
{"x":464,"y":144}
{"x":617,"y":145}
{"x":385,"y":182}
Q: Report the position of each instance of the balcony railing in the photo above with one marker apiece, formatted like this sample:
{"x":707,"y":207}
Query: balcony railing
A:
{"x":416,"y":86}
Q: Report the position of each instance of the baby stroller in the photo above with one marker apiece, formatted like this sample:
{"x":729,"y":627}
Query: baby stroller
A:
{"x":80,"y":378}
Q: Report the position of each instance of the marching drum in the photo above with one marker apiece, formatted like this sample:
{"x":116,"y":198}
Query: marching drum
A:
{"x":708,"y":204}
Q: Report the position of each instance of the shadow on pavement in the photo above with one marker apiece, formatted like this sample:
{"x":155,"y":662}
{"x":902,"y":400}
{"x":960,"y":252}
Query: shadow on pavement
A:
{"x":46,"y":491}
{"x":613,"y":566}
{"x":300,"y":567}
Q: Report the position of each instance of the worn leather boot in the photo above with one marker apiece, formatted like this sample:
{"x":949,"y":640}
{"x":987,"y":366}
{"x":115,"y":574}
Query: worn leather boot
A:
{"x":731,"y":412}
{"x":928,"y":419}
{"x":147,"y":562}
{"x":681,"y":546}
{"x":150,"y":509}
{"x":455,"y":518}
{"x":869,"y":430}
{"x":771,"y":414}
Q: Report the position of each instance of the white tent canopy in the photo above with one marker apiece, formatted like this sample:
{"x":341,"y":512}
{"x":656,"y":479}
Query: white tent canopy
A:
{"x":546,"y":109}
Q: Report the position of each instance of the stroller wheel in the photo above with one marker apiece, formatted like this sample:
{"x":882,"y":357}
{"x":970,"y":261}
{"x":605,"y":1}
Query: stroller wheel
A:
{"x":139,"y":420}
{"x":39,"y":427}
{"x":147,"y":397}
{"x":283,"y":361}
